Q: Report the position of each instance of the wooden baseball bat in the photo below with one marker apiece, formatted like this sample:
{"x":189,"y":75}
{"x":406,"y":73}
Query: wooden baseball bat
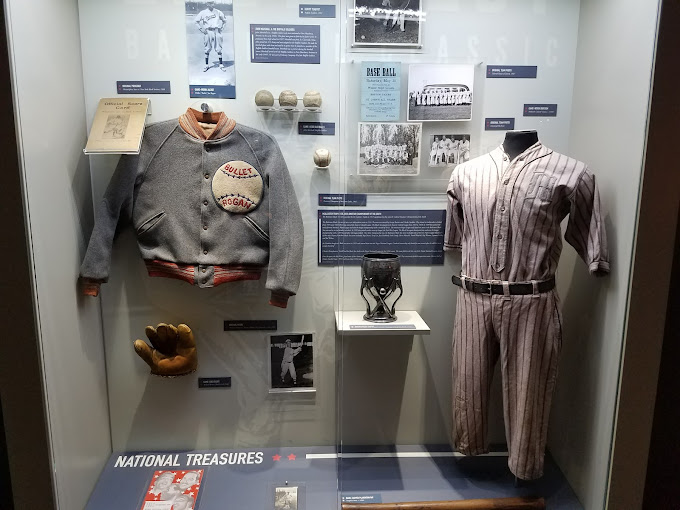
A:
{"x":465,"y":504}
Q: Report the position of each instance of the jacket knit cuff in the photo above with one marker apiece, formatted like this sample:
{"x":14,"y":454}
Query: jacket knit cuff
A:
{"x":451,"y":247}
{"x":89,"y":286}
{"x":599,"y":268}
{"x":279,"y":298}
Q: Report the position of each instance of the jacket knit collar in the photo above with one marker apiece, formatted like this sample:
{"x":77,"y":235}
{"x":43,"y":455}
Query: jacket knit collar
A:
{"x":191,"y":122}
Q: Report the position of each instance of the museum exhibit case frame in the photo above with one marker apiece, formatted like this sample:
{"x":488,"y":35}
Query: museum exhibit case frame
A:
{"x":374,"y":424}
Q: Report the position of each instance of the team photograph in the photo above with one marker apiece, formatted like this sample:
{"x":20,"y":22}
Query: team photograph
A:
{"x":440,"y":92}
{"x":389,"y":149}
{"x":210,"y":44}
{"x":448,"y":150}
{"x":387,"y":23}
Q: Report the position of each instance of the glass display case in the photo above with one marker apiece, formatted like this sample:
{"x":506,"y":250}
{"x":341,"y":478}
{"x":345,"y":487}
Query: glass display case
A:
{"x":288,"y":147}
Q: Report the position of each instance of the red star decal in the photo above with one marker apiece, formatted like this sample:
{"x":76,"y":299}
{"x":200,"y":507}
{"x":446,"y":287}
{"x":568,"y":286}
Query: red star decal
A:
{"x":276,"y":457}
{"x":291,"y":456}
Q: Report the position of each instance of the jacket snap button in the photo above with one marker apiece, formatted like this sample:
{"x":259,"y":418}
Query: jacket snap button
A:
{"x":207,"y":176}
{"x":205,"y":252}
{"x":205,"y":227}
{"x":205,"y":202}
{"x":203,"y":270}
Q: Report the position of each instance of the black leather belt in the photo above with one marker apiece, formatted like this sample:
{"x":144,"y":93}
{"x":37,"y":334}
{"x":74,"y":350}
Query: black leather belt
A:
{"x":515,"y":289}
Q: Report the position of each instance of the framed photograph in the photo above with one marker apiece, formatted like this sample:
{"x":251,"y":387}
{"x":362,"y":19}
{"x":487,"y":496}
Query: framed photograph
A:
{"x":291,"y":363}
{"x":210,"y":48}
{"x":388,"y":148}
{"x":286,"y":498}
{"x":388,"y":23}
{"x":440,"y":92}
{"x":448,"y":150}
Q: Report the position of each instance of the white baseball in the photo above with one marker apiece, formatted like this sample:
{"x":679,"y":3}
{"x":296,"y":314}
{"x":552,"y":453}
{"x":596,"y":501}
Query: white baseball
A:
{"x":312,"y":99}
{"x":322,"y":158}
{"x":237,"y":187}
{"x":288,"y":98}
{"x":264,"y":98}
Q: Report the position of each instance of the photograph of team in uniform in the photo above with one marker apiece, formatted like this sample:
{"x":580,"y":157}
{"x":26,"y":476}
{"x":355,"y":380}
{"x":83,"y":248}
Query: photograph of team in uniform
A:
{"x":448,"y":150}
{"x":440,"y":92}
{"x":387,"y":23}
{"x":210,"y":44}
{"x":389,"y":149}
{"x":291,"y":363}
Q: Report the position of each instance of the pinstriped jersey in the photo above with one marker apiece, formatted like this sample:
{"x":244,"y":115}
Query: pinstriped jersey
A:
{"x":505,"y":215}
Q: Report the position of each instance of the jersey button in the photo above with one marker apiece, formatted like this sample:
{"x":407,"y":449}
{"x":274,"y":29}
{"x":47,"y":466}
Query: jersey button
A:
{"x":205,"y":227}
{"x":503,"y":208}
{"x":506,"y":181}
{"x":500,"y":236}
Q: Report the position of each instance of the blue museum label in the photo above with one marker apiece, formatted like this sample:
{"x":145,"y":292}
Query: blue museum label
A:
{"x":499,"y":124}
{"x":317,"y":11}
{"x":214,"y":382}
{"x":251,"y":325}
{"x":362,"y":498}
{"x":143,"y":87}
{"x":285,"y":44}
{"x":215,"y":91}
{"x":316,"y":128}
{"x":503,"y":71}
{"x":540,"y":110}
{"x":340,"y":199}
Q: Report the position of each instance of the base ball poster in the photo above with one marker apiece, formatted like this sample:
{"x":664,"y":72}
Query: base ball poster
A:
{"x":173,"y":490}
{"x":388,"y":23}
{"x":440,"y":92}
{"x":291,"y":363}
{"x":210,"y":48}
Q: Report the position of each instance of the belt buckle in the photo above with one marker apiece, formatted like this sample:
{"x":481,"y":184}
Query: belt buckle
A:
{"x":490,"y":288}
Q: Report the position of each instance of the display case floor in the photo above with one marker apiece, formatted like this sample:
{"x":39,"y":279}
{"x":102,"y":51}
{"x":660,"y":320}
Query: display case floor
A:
{"x":248,"y":478}
{"x":435,"y":473}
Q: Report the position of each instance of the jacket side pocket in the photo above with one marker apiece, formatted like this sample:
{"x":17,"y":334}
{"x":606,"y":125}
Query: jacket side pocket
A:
{"x":150,"y":223}
{"x":258,"y":230}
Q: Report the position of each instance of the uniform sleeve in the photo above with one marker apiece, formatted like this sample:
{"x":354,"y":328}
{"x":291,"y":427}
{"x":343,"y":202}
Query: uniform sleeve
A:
{"x":114,"y":209}
{"x":585,"y":229}
{"x":286,"y":232}
{"x":453,"y":233}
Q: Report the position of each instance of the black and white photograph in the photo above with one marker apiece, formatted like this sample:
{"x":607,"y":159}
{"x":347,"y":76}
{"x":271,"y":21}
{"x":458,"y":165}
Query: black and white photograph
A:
{"x":291,"y":363}
{"x":286,"y":498}
{"x":389,"y":148}
{"x":440,"y":92}
{"x":210,"y":48}
{"x":388,"y":23}
{"x":448,"y":150}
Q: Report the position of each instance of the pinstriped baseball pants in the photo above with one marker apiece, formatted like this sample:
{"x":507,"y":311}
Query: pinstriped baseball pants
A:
{"x":525,"y":332}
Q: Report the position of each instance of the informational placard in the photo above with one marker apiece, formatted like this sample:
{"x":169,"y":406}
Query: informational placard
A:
{"x":540,"y":110}
{"x":316,"y":128}
{"x":317,"y":11}
{"x":499,"y":124}
{"x":362,"y":498}
{"x":251,"y":325}
{"x":143,"y":87}
{"x":214,"y":382}
{"x":342,"y":199}
{"x":417,"y":236}
{"x":285,"y":44}
{"x":503,"y":71}
{"x":380,"y":91}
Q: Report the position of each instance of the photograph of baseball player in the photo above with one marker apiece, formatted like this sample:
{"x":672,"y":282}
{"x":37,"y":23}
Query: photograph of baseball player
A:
{"x":388,"y":23}
{"x":291,"y":363}
{"x":389,"y":149}
{"x":448,"y":150}
{"x":210,"y":48}
{"x":286,"y":498}
{"x":440,"y":92}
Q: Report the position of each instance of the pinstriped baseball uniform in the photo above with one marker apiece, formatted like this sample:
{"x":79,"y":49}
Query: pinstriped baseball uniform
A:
{"x":505,"y":216}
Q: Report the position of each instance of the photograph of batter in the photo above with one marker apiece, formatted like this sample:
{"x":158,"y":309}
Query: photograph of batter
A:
{"x":291,"y":363}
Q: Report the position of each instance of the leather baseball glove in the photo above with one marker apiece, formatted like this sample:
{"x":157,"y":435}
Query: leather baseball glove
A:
{"x":173,"y":352}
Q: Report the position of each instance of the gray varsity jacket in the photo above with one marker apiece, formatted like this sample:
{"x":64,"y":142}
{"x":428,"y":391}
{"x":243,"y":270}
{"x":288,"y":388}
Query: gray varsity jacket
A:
{"x":208,"y":207}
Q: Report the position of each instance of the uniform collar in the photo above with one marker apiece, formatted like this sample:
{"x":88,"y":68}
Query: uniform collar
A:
{"x":191,"y":122}
{"x":536,"y":151}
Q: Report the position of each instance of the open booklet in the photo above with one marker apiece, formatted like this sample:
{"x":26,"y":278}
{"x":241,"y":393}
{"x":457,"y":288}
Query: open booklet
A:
{"x":118,"y":126}
{"x":173,"y":490}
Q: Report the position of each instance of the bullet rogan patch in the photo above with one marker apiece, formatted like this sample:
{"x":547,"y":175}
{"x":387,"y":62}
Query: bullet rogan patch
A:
{"x":237,"y":187}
